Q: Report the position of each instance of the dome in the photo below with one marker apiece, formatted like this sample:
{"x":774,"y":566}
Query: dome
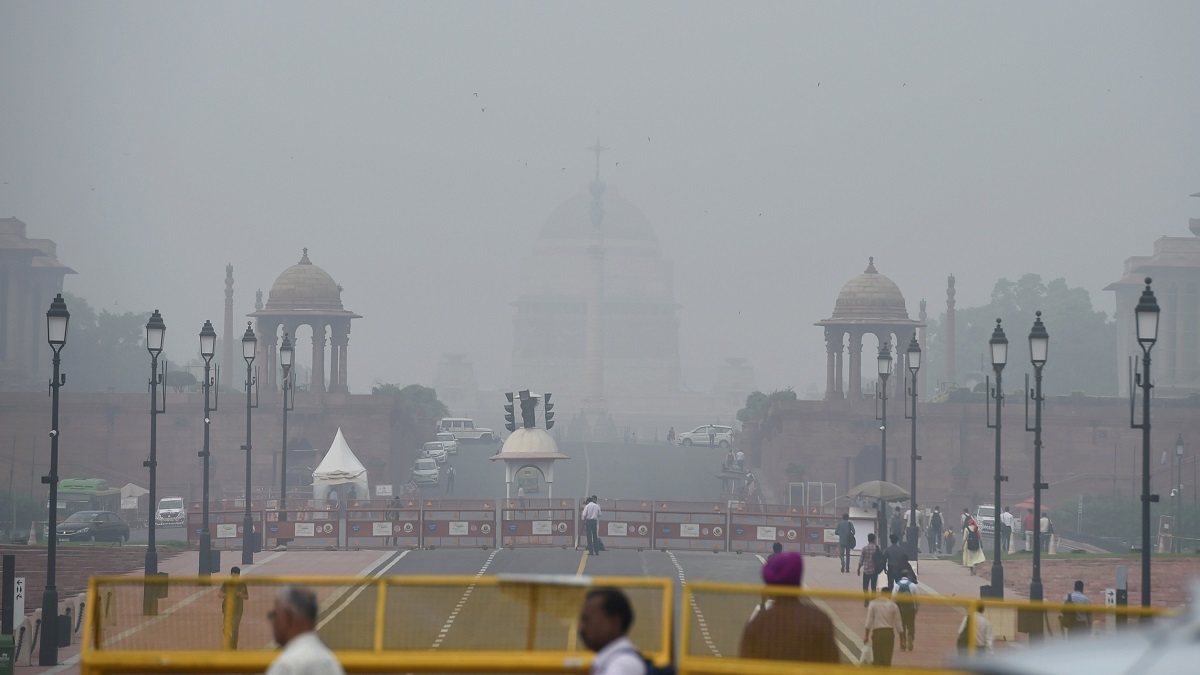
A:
{"x":532,"y":441}
{"x":305,"y":286}
{"x":870,"y":295}
{"x":621,"y":219}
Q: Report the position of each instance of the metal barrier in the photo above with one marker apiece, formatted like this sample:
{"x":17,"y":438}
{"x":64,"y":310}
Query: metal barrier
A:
{"x":696,"y":526}
{"x":304,"y":528}
{"x":818,"y":535}
{"x":224,"y":527}
{"x":458,"y":523}
{"x":624,"y":523}
{"x":754,"y":529}
{"x":538,"y":522}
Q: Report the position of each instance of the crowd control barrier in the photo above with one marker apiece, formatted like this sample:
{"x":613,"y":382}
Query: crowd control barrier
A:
{"x":383,"y":525}
{"x":458,"y":523}
{"x":528,"y":522}
{"x":224,"y":527}
{"x":624,"y":523}
{"x":694,"y":526}
{"x":818,"y":535}
{"x":754,"y":530}
{"x":304,"y":528}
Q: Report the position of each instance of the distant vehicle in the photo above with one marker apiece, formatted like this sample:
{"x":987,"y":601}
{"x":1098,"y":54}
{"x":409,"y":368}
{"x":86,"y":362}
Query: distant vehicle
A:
{"x":448,"y":442}
{"x":92,"y":526}
{"x":722,"y":436}
{"x":464,"y":429}
{"x":425,"y":472}
{"x":434,"y":450}
{"x":985,"y":516}
{"x":171,"y":511}
{"x":527,"y":478}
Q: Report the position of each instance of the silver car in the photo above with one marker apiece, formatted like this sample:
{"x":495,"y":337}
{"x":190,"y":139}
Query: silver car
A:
{"x":434,"y":450}
{"x":448,"y":442}
{"x":716,"y":434}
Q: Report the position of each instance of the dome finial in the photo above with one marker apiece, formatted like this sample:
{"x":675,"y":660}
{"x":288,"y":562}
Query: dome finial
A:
{"x":304,"y":258}
{"x":871,"y":266}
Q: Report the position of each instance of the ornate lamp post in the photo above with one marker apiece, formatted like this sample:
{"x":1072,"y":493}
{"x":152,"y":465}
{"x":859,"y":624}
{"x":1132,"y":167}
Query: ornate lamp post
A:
{"x":286,"y":356}
{"x":208,"y":347}
{"x":1177,"y":493}
{"x":57,"y":319}
{"x":1039,"y":346}
{"x":1146,"y":315}
{"x":156,"y":332}
{"x":912,"y":534}
{"x":999,"y":345}
{"x":884,"y":366}
{"x":249,"y":346}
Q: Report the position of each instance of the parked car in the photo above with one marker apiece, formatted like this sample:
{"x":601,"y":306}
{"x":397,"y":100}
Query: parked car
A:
{"x":425,"y":472}
{"x":721,"y":437}
{"x":434,"y":450}
{"x":464,"y":429}
{"x":92,"y":526}
{"x":985,"y":516}
{"x":171,"y":511}
{"x":448,"y":442}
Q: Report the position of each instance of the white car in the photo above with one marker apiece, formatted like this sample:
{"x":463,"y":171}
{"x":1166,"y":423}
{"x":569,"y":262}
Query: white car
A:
{"x":425,"y":472}
{"x":721,"y":436}
{"x":464,"y":429}
{"x":434,"y":450}
{"x":448,"y":442}
{"x":171,"y":511}
{"x":985,"y":516}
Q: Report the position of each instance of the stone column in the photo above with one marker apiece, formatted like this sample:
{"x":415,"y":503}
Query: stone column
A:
{"x":339,"y":340}
{"x":830,"y":360}
{"x":345,"y":355}
{"x":318,"y":357}
{"x":841,"y":392}
{"x":855,"y":354}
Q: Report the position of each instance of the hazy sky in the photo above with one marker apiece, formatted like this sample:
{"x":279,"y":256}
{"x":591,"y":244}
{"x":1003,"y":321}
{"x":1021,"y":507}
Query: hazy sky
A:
{"x":416,"y":150}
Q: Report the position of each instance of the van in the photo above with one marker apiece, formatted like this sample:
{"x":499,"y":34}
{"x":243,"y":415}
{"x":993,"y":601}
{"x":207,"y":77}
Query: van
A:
{"x":171,"y":511}
{"x":985,"y":517}
{"x":464,"y":429}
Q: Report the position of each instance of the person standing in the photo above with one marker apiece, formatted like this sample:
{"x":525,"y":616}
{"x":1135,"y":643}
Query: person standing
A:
{"x":935,"y":531}
{"x":884,"y":625}
{"x":896,"y":525}
{"x":897,"y":560}
{"x":983,"y":632}
{"x":671,"y":436}
{"x":1047,"y":529}
{"x":740,"y":460}
{"x":393,"y":517}
{"x":1027,"y":525}
{"x":776,"y":549}
{"x":1006,"y":527}
{"x":972,"y":548}
{"x":919,"y":524}
{"x":845,"y":535}
{"x":450,"y":473}
{"x":234,"y":594}
{"x":788,"y":628}
{"x":604,"y":626}
{"x":293,"y":624}
{"x":1076,"y":623}
{"x":591,"y":525}
{"x":868,"y":565}
{"x":712,"y":436}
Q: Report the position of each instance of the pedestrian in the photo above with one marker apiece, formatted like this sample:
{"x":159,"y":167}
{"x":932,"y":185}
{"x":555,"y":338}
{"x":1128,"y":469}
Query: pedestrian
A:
{"x":870,"y":563}
{"x":393,"y":517}
{"x":591,"y":525}
{"x":935,"y":531}
{"x":1027,"y":525}
{"x":671,"y":436}
{"x":776,"y":549}
{"x":712,"y":436}
{"x":972,"y":549}
{"x":293,"y":623}
{"x":896,"y":526}
{"x":450,"y":473}
{"x":949,"y":541}
{"x":234,"y":594}
{"x":1076,"y":623}
{"x":845,"y":535}
{"x":1006,"y":528}
{"x":786,"y":628}
{"x":983,"y":632}
{"x":333,"y":496}
{"x":1047,"y":529}
{"x":884,"y":625}
{"x":914,"y":515}
{"x":966,"y":515}
{"x":604,"y":626}
{"x":729,"y":460}
{"x":896,"y":558}
{"x":740,"y":459}
{"x":905,"y":596}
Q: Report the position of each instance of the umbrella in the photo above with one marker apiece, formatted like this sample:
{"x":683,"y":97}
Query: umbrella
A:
{"x":879,"y":489}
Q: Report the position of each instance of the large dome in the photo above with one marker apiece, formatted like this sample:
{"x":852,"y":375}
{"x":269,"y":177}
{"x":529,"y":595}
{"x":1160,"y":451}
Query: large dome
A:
{"x":870,"y":295}
{"x":305,"y":286}
{"x":573,"y":219}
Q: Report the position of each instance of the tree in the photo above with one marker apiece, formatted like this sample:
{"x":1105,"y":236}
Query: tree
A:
{"x":180,"y":380}
{"x":420,"y":401}
{"x":758,"y":403}
{"x":105,"y":352}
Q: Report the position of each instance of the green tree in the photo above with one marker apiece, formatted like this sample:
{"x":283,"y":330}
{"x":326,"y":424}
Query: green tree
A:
{"x":180,"y":380}
{"x":105,"y":351}
{"x":419,"y":400}
{"x":758,"y":403}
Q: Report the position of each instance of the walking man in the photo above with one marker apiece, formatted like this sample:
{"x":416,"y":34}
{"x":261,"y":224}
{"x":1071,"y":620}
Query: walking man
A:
{"x":1076,"y":624}
{"x":935,"y":531}
{"x":1006,"y":525}
{"x":884,"y":625}
{"x":869,"y":564}
{"x":740,"y":459}
{"x":234,"y":595}
{"x":450,"y":479}
{"x":897,"y":559}
{"x":591,"y":525}
{"x":393,"y":517}
{"x":845,"y":535}
{"x":712,"y":436}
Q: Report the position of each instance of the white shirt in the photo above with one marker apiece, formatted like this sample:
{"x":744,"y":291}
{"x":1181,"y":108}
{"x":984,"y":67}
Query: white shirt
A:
{"x":920,"y":518}
{"x":619,"y":657}
{"x":591,"y":511}
{"x":1045,"y":525}
{"x":983,"y":632}
{"x":740,"y":456}
{"x":1006,"y":519}
{"x":912,"y":588}
{"x":305,"y":654}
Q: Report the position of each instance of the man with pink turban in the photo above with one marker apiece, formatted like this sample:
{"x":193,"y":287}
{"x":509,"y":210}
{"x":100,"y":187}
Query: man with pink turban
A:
{"x":790,"y":629}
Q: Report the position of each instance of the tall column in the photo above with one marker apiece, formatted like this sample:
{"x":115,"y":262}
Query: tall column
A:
{"x":345,"y":360}
{"x":855,"y":354}
{"x":335,"y":362}
{"x":841,"y":392}
{"x":227,"y":349}
{"x":951,"y":375}
{"x":594,"y":351}
{"x":830,"y":358}
{"x":318,"y":357}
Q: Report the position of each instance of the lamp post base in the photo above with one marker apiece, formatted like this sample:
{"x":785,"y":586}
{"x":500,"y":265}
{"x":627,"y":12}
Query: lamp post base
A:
{"x":205,"y":555}
{"x":997,"y":580}
{"x":248,"y":541}
{"x":48,"y":653}
{"x":912,"y":542}
{"x":150,"y":591}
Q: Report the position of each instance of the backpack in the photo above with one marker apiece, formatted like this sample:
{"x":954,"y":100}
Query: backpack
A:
{"x":878,"y":559}
{"x":972,"y":541}
{"x":652,"y":668}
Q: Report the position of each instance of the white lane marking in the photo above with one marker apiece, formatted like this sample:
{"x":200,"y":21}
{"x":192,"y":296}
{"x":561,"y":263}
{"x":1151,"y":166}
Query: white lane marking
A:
{"x":704,"y":632}
{"x":462,"y":601}
{"x":358,"y":589}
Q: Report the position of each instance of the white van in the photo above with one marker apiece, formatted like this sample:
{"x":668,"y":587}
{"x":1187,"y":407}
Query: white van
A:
{"x":171,"y":511}
{"x":464,"y":429}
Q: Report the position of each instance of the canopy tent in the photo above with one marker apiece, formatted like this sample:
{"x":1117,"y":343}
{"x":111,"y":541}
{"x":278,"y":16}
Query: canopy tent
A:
{"x":340,"y":470}
{"x":132,"y":490}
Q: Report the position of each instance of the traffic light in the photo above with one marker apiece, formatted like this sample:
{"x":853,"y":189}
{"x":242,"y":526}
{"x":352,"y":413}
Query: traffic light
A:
{"x":549,"y":411}
{"x":528,"y":407}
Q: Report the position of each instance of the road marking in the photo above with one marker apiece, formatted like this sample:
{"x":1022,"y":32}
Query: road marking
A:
{"x":358,"y":589}
{"x":704,"y":632}
{"x":582,"y":563}
{"x":461,"y":602}
{"x":573,"y":629}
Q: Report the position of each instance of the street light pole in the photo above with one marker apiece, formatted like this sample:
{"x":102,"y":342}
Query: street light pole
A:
{"x":912,"y":534}
{"x":884,"y":367}
{"x":57,"y":319}
{"x":286,"y":354}
{"x":1177,"y":491}
{"x":156,"y":332}
{"x":249,"y":346}
{"x":208,"y":347}
{"x":1039,"y":346}
{"x":999,"y":346}
{"x":1146,"y":322}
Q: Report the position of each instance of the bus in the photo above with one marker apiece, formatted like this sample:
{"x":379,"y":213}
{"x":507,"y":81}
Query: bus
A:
{"x":86,"y":494}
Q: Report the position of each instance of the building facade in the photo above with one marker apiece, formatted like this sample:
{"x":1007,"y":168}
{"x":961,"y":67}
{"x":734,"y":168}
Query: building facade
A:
{"x":30,"y":277}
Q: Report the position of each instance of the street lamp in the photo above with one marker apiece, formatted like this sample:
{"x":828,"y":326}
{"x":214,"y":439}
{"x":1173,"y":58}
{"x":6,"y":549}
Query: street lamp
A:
{"x":57,"y":319}
{"x":1039,"y":346}
{"x":1177,"y":492}
{"x":286,"y":356}
{"x":999,"y":345}
{"x":156,"y":332}
{"x":884,"y":366}
{"x":912,"y":534}
{"x":249,"y":347}
{"x":1146,"y":322}
{"x":208,"y":347}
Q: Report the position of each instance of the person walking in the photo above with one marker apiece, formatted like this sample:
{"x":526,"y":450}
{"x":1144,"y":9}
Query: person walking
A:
{"x":604,"y":624}
{"x":935,"y":531}
{"x":450,"y":473}
{"x":845,"y":535}
{"x":740,"y":460}
{"x":1047,"y":529}
{"x":1076,"y":623}
{"x":884,"y":625}
{"x":972,"y":549}
{"x":234,"y":594}
{"x":293,"y":624}
{"x":905,"y":594}
{"x":1027,"y":524}
{"x":897,"y":560}
{"x":591,"y":525}
{"x":983,"y":633}
{"x":896,"y":525}
{"x":870,"y":561}
{"x":919,"y":523}
{"x":1006,"y":527}
{"x":788,"y":628}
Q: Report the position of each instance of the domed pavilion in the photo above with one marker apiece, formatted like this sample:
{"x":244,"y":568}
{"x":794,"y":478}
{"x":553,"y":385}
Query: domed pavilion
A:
{"x":306,"y":295}
{"x":869,"y":304}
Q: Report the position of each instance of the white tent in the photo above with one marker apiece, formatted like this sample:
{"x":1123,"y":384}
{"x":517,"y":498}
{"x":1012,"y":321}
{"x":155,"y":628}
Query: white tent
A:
{"x":340,"y":470}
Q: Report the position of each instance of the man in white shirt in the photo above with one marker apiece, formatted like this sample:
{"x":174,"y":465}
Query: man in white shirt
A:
{"x":591,"y":525}
{"x":603,"y":625}
{"x":1006,"y":527}
{"x":293,"y":623}
{"x":740,"y":459}
{"x":983,"y":633}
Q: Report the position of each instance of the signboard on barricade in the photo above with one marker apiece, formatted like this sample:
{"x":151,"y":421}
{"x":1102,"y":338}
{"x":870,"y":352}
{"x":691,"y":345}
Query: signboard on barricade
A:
{"x":754,"y":528}
{"x":224,"y":527}
{"x":305,"y":528}
{"x":398,"y":524}
{"x":697,"y":526}
{"x":818,"y":534}
{"x":458,"y":523}
{"x":624,"y":523}
{"x":527,"y":522}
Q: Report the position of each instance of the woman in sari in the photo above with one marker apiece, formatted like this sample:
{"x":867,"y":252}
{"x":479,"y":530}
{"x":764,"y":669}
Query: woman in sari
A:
{"x":972,"y":549}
